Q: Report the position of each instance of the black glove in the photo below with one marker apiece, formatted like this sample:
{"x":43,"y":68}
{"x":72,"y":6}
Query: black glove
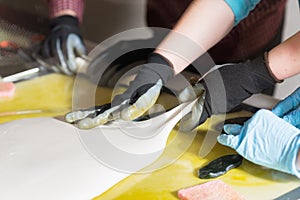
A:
{"x":240,"y":81}
{"x":140,"y":96}
{"x":63,"y":44}
{"x":156,"y":68}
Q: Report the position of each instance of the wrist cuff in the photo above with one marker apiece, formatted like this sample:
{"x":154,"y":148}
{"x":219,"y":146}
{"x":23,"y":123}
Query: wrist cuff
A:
{"x":163,"y":68}
{"x":64,"y":20}
{"x":157,"y":58}
{"x":266,"y":60}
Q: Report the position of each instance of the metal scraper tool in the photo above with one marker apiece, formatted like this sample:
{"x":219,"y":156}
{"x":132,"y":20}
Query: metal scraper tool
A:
{"x":21,"y":66}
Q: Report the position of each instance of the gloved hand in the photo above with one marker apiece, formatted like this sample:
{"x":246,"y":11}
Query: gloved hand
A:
{"x":265,"y":139}
{"x":63,"y":44}
{"x":289,"y":108}
{"x":240,"y":81}
{"x":140,"y":96}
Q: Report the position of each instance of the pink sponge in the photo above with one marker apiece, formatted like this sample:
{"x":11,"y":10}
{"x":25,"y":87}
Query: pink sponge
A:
{"x":209,"y":191}
{"x":7,"y":90}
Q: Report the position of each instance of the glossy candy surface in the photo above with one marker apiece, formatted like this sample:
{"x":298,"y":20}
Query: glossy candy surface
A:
{"x":220,"y":166}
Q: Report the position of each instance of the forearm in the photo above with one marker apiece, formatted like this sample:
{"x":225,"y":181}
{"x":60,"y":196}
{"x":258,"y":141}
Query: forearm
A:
{"x":66,"y":7}
{"x":204,"y":23}
{"x":284,"y":60}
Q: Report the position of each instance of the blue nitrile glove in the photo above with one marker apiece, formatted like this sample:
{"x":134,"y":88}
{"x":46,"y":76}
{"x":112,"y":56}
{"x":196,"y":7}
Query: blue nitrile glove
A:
{"x":63,"y":44}
{"x":139,"y":97}
{"x":289,"y":108}
{"x":265,"y":139}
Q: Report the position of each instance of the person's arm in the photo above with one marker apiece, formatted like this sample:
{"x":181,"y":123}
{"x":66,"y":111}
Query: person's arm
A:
{"x":73,"y":8}
{"x":284,"y":59}
{"x":64,"y":42}
{"x":204,"y":23}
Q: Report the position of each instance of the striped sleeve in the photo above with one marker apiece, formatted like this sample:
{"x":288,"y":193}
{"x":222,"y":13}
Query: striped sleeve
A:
{"x":57,"y":6}
{"x":241,"y":8}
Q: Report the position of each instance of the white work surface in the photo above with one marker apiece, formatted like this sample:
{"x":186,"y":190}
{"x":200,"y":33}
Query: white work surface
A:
{"x":44,"y":158}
